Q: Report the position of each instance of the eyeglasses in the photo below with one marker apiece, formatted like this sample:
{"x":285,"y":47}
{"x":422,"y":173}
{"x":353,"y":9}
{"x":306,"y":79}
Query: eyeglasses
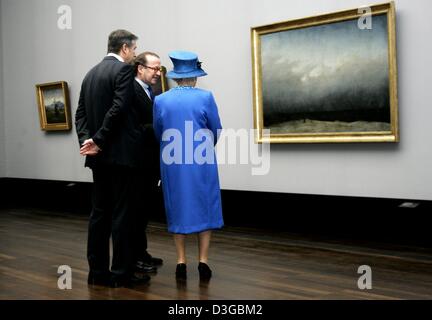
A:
{"x":155,"y":69}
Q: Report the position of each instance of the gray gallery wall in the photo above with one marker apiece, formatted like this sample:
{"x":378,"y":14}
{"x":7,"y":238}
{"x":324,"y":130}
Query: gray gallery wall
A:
{"x":2,"y":121}
{"x":36,"y":51}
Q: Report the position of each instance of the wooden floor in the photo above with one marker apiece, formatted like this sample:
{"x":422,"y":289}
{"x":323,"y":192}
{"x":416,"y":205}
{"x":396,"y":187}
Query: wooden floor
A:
{"x":247,"y":264}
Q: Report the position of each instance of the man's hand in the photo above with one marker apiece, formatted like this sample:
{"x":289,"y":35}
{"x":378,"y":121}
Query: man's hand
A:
{"x":89,"y":148}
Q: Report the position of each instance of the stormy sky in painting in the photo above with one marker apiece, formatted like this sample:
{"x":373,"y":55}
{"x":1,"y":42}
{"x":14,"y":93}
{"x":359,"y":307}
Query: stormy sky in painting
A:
{"x":335,"y":70}
{"x":53,"y":95}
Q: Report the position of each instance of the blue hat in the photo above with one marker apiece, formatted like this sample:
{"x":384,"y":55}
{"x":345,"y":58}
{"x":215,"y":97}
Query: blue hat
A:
{"x":186,"y":65}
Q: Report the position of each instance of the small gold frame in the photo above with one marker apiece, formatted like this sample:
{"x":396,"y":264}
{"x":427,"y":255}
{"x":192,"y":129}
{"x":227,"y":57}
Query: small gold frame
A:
{"x":54,"y":106}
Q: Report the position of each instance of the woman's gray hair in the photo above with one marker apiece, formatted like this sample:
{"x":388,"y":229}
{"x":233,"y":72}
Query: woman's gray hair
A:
{"x":186,"y":81}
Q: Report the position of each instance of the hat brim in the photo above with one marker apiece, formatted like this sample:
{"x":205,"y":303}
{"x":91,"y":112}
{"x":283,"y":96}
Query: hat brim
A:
{"x":192,"y":74}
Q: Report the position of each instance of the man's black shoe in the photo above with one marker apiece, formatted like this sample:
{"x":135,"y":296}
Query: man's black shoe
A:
{"x":145,"y":268}
{"x":156,"y":261}
{"x":148,"y":259}
{"x":98,"y":279}
{"x":118,"y":282}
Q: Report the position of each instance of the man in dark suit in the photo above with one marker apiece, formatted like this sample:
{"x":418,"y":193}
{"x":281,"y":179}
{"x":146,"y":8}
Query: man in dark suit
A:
{"x":147,"y":71}
{"x":106,"y":136}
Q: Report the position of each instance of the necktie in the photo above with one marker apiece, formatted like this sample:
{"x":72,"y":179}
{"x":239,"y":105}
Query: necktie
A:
{"x":151,"y":93}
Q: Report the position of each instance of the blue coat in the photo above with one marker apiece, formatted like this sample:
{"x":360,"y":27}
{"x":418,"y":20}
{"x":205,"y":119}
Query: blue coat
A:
{"x":189,"y":170}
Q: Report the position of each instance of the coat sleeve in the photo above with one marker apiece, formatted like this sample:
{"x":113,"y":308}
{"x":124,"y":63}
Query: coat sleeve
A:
{"x":123,"y":95}
{"x":81,"y":120}
{"x":213,"y":120}
{"x":157,"y":125}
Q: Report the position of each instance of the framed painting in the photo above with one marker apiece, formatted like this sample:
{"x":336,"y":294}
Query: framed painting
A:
{"x":54,"y":106}
{"x":328,"y":78}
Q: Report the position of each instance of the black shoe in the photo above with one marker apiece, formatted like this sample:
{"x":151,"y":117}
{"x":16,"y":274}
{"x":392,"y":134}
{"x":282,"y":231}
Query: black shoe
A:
{"x":148,"y":259}
{"x":156,"y":261}
{"x":145,"y":267}
{"x":204,"y":271}
{"x":98,"y":279}
{"x":118,"y":282}
{"x":181,"y":271}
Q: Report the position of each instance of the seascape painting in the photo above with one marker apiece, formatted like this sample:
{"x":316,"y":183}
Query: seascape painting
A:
{"x":333,"y":79}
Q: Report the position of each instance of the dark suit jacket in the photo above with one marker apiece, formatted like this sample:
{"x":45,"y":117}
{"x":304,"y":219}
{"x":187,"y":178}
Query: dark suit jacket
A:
{"x":103,"y":113}
{"x":147,"y":151}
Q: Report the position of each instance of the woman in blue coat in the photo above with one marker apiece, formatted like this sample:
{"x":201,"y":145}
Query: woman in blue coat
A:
{"x":186,"y":122}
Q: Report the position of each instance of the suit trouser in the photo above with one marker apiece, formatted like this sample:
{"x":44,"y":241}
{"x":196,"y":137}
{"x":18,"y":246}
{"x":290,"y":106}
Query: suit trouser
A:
{"x":146,"y":202}
{"x":111,"y":215}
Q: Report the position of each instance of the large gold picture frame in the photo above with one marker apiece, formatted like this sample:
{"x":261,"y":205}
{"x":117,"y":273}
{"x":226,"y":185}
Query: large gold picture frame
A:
{"x":54,"y":106}
{"x":331,"y":78}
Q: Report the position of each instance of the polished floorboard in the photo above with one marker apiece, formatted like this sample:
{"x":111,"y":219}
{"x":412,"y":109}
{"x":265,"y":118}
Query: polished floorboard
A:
{"x":247,"y":264}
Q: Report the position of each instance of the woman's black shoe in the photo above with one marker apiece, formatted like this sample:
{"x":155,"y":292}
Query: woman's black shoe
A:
{"x":204,"y":271}
{"x":181,"y":271}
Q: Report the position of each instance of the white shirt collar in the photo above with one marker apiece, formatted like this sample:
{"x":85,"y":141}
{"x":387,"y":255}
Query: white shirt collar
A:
{"x":115,"y":56}
{"x":142,"y":83}
{"x":144,"y":86}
